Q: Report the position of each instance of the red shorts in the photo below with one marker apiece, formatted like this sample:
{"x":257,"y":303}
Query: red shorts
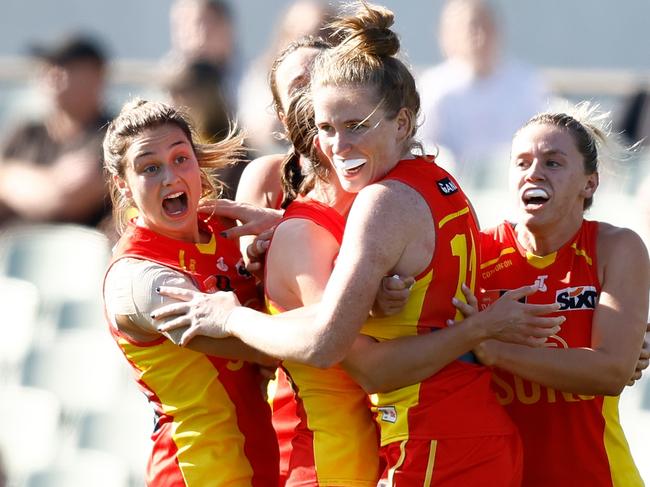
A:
{"x":485,"y":460}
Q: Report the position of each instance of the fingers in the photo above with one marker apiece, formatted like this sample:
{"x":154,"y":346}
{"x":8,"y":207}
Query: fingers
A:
{"x":393,"y":283}
{"x":521,"y":292}
{"x":191,"y":332}
{"x":174,"y":324}
{"x":464,"y":308}
{"x":469,"y":296}
{"x":170,"y":310}
{"x":223,"y":207}
{"x":179,"y":293}
{"x":541,"y":332}
{"x":257,"y":249}
{"x":541,"y":309}
{"x":545,"y":322}
{"x":534,"y":341}
{"x":254,"y":267}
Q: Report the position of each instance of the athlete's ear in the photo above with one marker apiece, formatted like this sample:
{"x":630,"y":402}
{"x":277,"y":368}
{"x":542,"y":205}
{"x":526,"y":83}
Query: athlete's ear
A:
{"x":317,"y":142}
{"x":404,"y":124}
{"x":590,"y":185}
{"x":122,"y":186}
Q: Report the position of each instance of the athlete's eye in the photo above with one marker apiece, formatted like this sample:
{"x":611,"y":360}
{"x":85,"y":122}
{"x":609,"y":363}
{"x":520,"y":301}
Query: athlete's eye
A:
{"x":150,"y":169}
{"x":357,"y":127}
{"x":326,"y":129}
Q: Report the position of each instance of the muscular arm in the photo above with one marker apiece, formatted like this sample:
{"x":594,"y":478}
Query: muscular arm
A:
{"x":381,"y":223}
{"x":416,"y":358}
{"x":618,"y":327}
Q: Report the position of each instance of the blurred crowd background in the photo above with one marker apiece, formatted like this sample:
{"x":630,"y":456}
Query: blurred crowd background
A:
{"x":69,"y":412}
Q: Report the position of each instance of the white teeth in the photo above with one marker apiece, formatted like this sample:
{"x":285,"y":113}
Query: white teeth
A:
{"x":348,"y":164}
{"x":174,"y":195}
{"x":536,"y":193}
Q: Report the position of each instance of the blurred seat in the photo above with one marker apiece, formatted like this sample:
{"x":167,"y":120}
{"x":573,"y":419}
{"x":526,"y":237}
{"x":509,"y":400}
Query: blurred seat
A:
{"x":82,"y":367}
{"x":29,"y":421}
{"x":124,"y":431}
{"x":20,"y":308}
{"x":82,"y":314}
{"x":63,"y":261}
{"x":66,"y":263}
{"x":83,"y":469}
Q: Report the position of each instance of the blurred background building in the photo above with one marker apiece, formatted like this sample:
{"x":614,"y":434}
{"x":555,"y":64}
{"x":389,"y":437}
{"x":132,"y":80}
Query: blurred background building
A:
{"x":69,"y":412}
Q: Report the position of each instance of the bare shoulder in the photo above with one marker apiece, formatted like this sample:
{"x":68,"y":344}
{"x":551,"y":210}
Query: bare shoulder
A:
{"x":260,"y":181}
{"x":301,"y":235}
{"x":615,"y":242}
{"x":386,"y":198}
{"x":265,"y":163}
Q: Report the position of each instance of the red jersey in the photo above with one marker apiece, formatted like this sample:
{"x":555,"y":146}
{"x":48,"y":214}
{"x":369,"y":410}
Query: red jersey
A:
{"x":569,"y":439}
{"x":456,"y":402}
{"x":213,"y":426}
{"x":335,"y":440}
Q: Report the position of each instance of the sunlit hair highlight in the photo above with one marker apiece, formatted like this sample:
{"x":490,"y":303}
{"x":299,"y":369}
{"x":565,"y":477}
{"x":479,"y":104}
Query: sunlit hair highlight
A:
{"x":364,"y":56}
{"x":591,"y":130}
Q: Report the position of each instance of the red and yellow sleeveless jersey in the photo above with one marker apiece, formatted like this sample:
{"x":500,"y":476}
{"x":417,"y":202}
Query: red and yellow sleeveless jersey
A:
{"x":213,"y":426}
{"x":335,"y":441}
{"x":568,"y":439}
{"x":457,"y":401}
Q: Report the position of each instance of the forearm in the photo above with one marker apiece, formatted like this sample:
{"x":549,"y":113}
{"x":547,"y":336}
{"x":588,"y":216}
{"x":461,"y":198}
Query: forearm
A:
{"x":577,"y":370}
{"x":293,"y":335}
{"x":230,"y":348}
{"x":412,"y":359}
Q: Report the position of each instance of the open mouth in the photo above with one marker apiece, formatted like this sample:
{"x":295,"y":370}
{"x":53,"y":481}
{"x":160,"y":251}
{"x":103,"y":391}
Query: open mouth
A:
{"x":535,"y":197}
{"x":175,"y":204}
{"x":349,"y":166}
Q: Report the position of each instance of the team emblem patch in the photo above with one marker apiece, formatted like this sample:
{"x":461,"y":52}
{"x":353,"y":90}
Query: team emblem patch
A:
{"x":388,"y":414}
{"x":447,"y":186}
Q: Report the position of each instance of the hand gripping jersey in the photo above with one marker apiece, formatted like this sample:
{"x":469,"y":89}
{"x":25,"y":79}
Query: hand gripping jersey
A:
{"x":213,"y":427}
{"x":569,"y":439}
{"x":335,"y":441}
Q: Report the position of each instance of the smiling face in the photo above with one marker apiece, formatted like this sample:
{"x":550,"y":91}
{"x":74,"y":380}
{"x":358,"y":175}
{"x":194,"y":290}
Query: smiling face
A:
{"x":547,"y":174}
{"x":356,"y":136}
{"x":163,"y":178}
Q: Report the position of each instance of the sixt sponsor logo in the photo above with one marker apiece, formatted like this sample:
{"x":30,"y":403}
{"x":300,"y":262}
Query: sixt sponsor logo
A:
{"x":575,"y":298}
{"x":447,"y":186}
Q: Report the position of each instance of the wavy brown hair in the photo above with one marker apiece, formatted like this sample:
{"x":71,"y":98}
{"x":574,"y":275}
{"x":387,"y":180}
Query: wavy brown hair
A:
{"x":139,"y":115}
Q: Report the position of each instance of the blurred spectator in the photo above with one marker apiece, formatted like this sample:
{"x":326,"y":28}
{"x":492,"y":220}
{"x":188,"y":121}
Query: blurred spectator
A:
{"x":302,"y":18}
{"x":51,"y":169}
{"x":476,"y":99}
{"x":204,"y":30}
{"x":198,"y":87}
{"x":635,"y":117}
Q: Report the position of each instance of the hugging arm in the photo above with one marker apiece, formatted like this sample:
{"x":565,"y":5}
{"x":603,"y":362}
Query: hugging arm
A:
{"x":618,"y":328}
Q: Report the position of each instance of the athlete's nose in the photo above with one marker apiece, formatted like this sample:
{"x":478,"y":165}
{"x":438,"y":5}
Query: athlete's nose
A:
{"x":169,"y":175}
{"x":535,"y":171}
{"x":340,"y":144}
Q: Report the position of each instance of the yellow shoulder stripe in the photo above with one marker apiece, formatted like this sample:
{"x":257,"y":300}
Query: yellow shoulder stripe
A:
{"x":451,"y":216}
{"x":505,"y":251}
